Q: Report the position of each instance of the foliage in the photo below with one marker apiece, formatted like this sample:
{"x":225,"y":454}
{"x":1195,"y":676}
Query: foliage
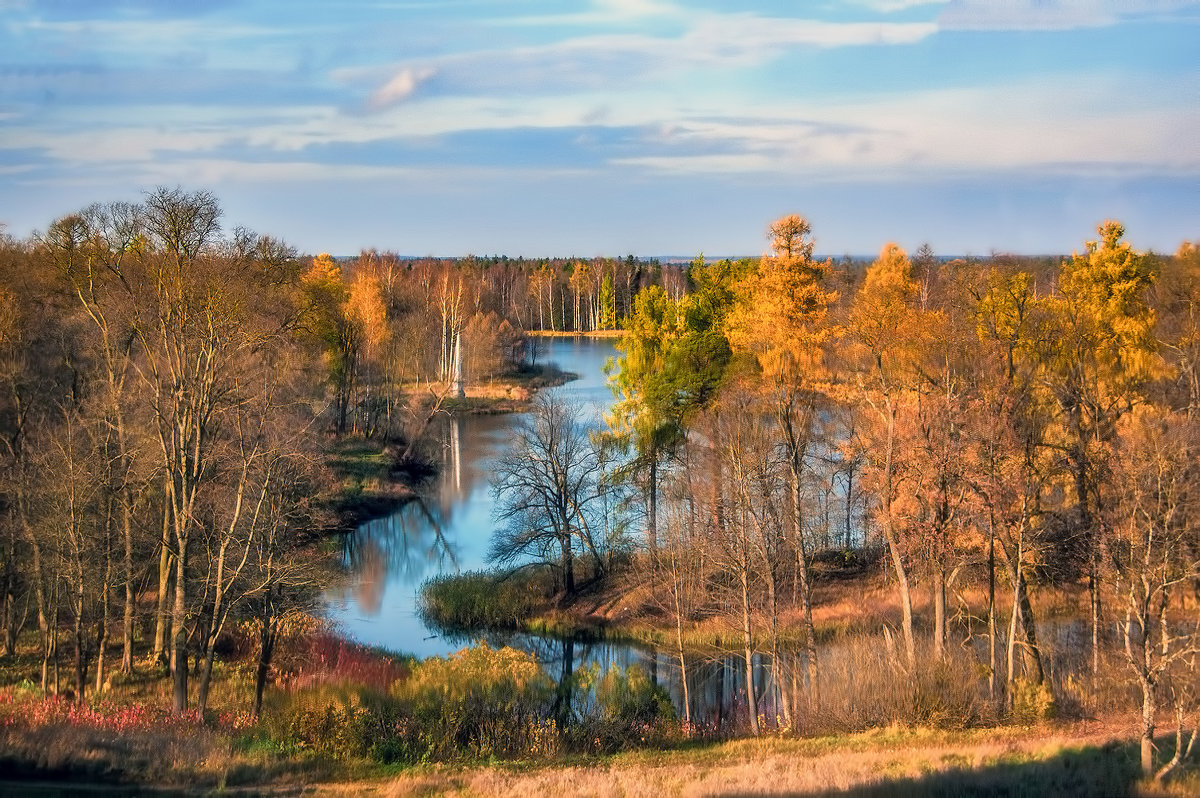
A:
{"x":339,"y":722}
{"x":1028,"y":424}
{"x":481,"y":702}
{"x":625,"y":710}
{"x":1032,"y":703}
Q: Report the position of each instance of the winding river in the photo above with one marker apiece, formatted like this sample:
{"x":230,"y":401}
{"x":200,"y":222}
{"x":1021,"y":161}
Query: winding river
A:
{"x":448,"y":530}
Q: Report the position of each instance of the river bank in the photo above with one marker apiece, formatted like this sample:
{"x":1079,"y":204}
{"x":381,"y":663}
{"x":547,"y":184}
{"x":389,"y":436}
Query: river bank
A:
{"x":573,"y":334}
{"x":374,"y":479}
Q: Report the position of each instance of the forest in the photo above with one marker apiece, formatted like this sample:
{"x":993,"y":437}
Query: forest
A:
{"x":1008,"y":445}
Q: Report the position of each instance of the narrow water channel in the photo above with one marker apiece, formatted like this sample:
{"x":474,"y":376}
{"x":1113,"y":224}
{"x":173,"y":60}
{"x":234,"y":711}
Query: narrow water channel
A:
{"x":448,"y":530}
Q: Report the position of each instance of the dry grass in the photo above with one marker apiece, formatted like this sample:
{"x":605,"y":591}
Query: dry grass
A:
{"x":1072,"y":761}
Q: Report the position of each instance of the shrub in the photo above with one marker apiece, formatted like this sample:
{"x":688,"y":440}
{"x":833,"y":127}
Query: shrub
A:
{"x":1032,"y":702}
{"x":340,"y":722}
{"x":626,"y":710}
{"x":482,"y":702}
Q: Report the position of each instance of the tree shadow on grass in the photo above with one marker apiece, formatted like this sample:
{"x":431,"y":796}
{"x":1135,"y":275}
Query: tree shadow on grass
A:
{"x":1110,"y":770}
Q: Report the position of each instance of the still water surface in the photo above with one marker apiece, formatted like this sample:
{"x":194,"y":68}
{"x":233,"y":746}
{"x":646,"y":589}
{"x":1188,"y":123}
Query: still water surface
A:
{"x":448,"y":530}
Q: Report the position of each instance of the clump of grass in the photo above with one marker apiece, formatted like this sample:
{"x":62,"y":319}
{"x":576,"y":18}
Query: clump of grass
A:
{"x":482,"y":600}
{"x":112,"y":742}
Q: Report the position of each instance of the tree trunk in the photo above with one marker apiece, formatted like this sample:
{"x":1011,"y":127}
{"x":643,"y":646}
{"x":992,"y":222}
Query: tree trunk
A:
{"x":205,"y":677}
{"x":1094,"y":591}
{"x":39,"y":591}
{"x":1023,"y":608}
{"x":906,"y":613}
{"x":105,"y":612}
{"x":127,"y":619}
{"x":748,"y":650}
{"x":683,"y":676}
{"x":652,"y":505}
{"x":939,"y":611}
{"x":80,"y":654}
{"x":164,"y":581}
{"x":266,"y":649}
{"x":1032,"y":652}
{"x":179,"y":660}
{"x":810,"y":635}
{"x":991,"y":610}
{"x":1149,"y":708}
{"x":568,"y":563}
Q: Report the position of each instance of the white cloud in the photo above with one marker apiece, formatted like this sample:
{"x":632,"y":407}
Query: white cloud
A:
{"x":601,"y":12}
{"x":635,"y":8}
{"x":700,"y":164}
{"x":399,"y":88}
{"x":891,"y":6}
{"x":1048,"y":127}
{"x":1049,"y":14}
{"x":749,"y":34}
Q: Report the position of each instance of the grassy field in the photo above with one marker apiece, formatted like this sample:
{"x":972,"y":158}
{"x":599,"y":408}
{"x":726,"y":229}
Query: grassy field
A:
{"x":1069,"y":760}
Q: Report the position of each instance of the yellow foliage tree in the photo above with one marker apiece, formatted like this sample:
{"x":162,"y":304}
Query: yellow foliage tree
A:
{"x":1099,"y":352}
{"x":887,"y":326}
{"x":781,"y":317}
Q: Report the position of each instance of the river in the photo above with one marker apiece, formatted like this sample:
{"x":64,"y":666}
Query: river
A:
{"x":448,"y":530}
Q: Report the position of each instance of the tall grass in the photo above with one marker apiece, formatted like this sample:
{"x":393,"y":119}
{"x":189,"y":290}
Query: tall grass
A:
{"x":483,"y":600}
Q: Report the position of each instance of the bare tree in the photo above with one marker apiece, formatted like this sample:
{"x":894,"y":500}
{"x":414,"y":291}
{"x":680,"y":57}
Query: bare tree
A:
{"x":1158,"y":553}
{"x":547,"y":490}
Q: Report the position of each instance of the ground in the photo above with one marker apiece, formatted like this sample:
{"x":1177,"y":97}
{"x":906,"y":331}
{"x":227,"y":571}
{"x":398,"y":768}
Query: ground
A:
{"x":1073,"y":760}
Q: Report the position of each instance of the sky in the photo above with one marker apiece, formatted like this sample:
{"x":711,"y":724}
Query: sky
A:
{"x":614,"y":127}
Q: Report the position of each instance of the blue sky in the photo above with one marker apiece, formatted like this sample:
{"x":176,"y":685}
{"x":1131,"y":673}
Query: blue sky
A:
{"x":614,"y":127}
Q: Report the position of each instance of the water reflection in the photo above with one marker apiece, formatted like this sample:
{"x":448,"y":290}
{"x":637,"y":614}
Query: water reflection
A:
{"x":408,"y":546}
{"x":448,"y":529}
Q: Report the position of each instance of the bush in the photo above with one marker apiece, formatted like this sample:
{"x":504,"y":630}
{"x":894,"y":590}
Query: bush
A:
{"x":626,"y":710}
{"x":482,"y":702}
{"x":1032,"y":702}
{"x":339,"y":722}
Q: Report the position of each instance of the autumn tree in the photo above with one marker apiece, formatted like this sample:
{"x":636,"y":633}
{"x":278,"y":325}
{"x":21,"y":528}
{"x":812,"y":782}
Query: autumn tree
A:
{"x":781,"y":318}
{"x":1007,"y":465}
{"x":1100,"y":355}
{"x":885,"y":323}
{"x":1157,"y":556}
{"x":749,"y":539}
{"x":91,"y":250}
{"x":37,"y":377}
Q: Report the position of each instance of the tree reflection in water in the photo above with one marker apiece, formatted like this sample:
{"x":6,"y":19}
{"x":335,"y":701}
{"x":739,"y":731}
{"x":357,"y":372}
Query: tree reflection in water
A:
{"x":450,"y":527}
{"x":407,"y":546}
{"x":716,"y":683}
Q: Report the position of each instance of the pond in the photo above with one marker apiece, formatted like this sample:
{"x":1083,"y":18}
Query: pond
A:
{"x":448,"y":530}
